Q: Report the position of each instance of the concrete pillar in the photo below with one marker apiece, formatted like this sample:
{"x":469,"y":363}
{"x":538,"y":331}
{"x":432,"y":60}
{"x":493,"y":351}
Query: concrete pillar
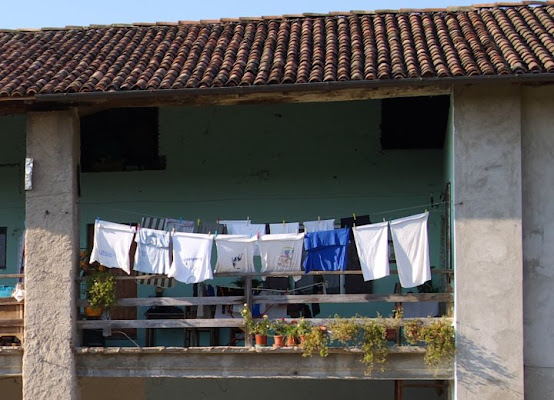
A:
{"x":488,"y":243}
{"x":52,"y":246}
{"x":538,"y":240}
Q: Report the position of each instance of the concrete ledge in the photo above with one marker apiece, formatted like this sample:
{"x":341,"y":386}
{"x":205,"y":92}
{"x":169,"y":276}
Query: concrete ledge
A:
{"x":11,"y":361}
{"x":241,"y":362}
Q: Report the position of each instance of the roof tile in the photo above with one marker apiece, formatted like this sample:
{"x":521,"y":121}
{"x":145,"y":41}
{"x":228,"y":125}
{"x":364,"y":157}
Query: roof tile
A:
{"x":492,"y":39}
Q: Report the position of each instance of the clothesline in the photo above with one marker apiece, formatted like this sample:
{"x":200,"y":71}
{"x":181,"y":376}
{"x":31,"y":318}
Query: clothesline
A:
{"x":431,"y":207}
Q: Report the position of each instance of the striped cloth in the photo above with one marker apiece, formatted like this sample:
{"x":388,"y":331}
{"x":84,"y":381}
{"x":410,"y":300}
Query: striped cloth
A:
{"x":159,"y":224}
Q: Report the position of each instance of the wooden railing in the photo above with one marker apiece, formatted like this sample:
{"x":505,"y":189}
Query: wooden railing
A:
{"x":249,"y":299}
{"x":11,"y":315}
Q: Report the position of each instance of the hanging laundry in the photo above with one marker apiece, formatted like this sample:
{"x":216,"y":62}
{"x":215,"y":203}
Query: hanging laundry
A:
{"x":178,"y":225}
{"x":281,"y":252}
{"x":288,"y":227}
{"x":319,"y":225}
{"x":191,"y":257}
{"x":211,"y":227}
{"x":372,"y":242}
{"x":411,"y":248}
{"x":326,"y":250}
{"x":112,"y":243}
{"x":244,"y":228}
{"x":152,"y":255}
{"x":351,"y":222}
{"x":235,"y":253}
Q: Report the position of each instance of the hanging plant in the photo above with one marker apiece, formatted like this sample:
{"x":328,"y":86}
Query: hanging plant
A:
{"x":315,"y":340}
{"x":345,"y":330}
{"x":374,"y":345}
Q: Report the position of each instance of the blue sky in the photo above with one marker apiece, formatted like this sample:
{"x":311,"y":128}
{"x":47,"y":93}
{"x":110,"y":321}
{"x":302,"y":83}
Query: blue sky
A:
{"x":58,"y":13}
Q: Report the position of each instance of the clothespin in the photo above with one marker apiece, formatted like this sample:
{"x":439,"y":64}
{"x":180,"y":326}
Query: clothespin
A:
{"x":247,"y":220}
{"x":215,"y":235}
{"x":426,"y":210}
{"x":354,"y":216}
{"x":384,"y":220}
{"x":258,"y":235}
{"x":217,"y":220}
{"x":318,"y":218}
{"x":138,"y":227}
{"x":283,"y":222}
{"x":198,"y":222}
{"x":180,"y":219}
{"x":97,"y":219}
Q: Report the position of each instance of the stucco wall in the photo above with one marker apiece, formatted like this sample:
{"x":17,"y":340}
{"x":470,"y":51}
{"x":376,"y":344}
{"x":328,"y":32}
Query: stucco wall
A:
{"x":488,"y":259}
{"x":538,"y":239}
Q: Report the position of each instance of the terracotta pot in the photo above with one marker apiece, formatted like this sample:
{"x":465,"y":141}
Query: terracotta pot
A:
{"x":95,"y":312}
{"x":261,"y":340}
{"x":392,"y":334}
{"x":279,"y":341}
{"x":291,"y":341}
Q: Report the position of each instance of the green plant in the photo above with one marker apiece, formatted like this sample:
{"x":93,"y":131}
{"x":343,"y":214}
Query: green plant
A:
{"x":374,"y":345}
{"x":303,"y":328}
{"x":100,"y":290}
{"x":344,"y":330}
{"x":412,"y":331}
{"x":439,"y":338}
{"x":279,"y":327}
{"x":257,"y":327}
{"x":315,"y":340}
{"x":291,"y":330}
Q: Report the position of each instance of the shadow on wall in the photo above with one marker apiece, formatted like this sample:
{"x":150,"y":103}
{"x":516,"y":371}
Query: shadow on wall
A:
{"x":479,"y":367}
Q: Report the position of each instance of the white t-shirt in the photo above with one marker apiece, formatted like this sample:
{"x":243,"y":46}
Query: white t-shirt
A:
{"x":281,"y":252}
{"x":192,"y":254}
{"x":372,"y":243}
{"x":235,"y":253}
{"x":112,"y":243}
{"x":152,"y":255}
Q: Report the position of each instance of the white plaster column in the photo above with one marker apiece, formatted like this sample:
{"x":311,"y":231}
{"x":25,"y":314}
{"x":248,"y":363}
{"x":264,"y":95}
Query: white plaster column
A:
{"x":537,"y":122}
{"x":488,"y":242}
{"x":52,"y":246}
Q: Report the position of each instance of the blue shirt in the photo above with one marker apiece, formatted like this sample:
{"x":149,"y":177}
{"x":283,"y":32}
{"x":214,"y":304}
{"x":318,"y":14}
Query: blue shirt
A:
{"x":326,"y":250}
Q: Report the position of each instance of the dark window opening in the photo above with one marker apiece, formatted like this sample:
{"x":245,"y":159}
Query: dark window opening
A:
{"x":3,"y":244}
{"x":414,"y":122}
{"x":121,"y":139}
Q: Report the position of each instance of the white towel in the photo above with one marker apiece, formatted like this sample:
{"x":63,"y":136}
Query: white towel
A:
{"x":152,"y":255}
{"x":282,"y":252}
{"x":192,"y":254}
{"x":235,"y":253}
{"x":372,"y":243}
{"x":246,"y":228}
{"x":112,"y":243}
{"x":411,"y":248}
{"x":319,"y":225}
{"x":288,"y":227}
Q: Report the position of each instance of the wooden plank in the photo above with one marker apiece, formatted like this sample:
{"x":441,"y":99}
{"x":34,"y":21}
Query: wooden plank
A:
{"x":354,"y":298}
{"x":10,"y":301}
{"x":173,"y":301}
{"x":6,"y":276}
{"x":209,"y":323}
{"x":9,"y":323}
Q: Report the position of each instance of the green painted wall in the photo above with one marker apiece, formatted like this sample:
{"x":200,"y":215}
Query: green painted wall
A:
{"x":12,"y":196}
{"x":269,"y":163}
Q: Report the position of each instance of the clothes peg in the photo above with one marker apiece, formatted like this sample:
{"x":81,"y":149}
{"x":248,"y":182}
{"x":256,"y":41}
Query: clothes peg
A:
{"x":384,"y":220}
{"x":426,"y":210}
{"x":354,"y":216}
{"x":180,"y":219}
{"x":97,"y":219}
{"x":217,"y":220}
{"x":198,"y":222}
{"x":215,"y":234}
{"x":283,"y":222}
{"x":248,"y":220}
{"x":318,"y":218}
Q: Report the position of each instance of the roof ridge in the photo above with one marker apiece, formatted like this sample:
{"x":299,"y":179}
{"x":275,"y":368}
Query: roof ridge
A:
{"x":226,"y":20}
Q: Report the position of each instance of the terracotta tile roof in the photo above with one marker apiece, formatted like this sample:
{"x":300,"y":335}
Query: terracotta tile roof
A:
{"x":340,"y":46}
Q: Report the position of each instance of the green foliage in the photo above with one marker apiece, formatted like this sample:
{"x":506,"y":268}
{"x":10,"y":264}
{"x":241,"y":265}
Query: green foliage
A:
{"x":344,"y":330}
{"x":374,"y":345}
{"x":100,"y":289}
{"x":315,"y":340}
{"x":303,"y":328}
{"x":257,"y":327}
{"x":279,"y":327}
{"x":440,"y":340}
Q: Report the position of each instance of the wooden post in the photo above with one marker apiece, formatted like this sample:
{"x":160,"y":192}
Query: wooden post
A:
{"x":248,"y":301}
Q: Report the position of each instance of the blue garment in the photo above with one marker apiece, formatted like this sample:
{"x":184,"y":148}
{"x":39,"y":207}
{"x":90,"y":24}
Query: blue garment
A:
{"x":326,"y":250}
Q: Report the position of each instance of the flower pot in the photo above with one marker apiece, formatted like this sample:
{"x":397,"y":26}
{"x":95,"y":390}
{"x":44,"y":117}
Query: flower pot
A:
{"x":391,"y":334}
{"x":279,"y":341}
{"x":93,"y":312}
{"x":261,"y":340}
{"x":291,"y":341}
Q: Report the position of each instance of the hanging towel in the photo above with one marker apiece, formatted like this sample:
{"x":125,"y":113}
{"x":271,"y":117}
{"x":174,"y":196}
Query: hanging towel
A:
{"x":191,"y":257}
{"x":319,"y":225}
{"x":178,"y":225}
{"x":372,"y":243}
{"x":281,"y":252}
{"x":234,"y":253}
{"x":411,"y":248}
{"x":152,"y":255}
{"x":326,"y":250}
{"x":112,"y":243}
{"x":288,"y":227}
{"x":246,"y":228}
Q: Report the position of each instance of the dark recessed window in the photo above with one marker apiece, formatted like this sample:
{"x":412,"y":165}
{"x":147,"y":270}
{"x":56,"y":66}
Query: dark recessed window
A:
{"x":414,"y":122}
{"x":3,"y":243}
{"x":120,"y":139}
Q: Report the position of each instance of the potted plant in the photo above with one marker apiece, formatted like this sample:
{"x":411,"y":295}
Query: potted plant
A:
{"x":100,"y":293}
{"x":279,"y":327}
{"x":260,"y":328}
{"x":393,"y":324}
{"x":439,"y":339}
{"x":374,"y":344}
{"x":345,"y":330}
{"x":316,"y":339}
{"x":302,"y":329}
{"x":292,"y":334}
